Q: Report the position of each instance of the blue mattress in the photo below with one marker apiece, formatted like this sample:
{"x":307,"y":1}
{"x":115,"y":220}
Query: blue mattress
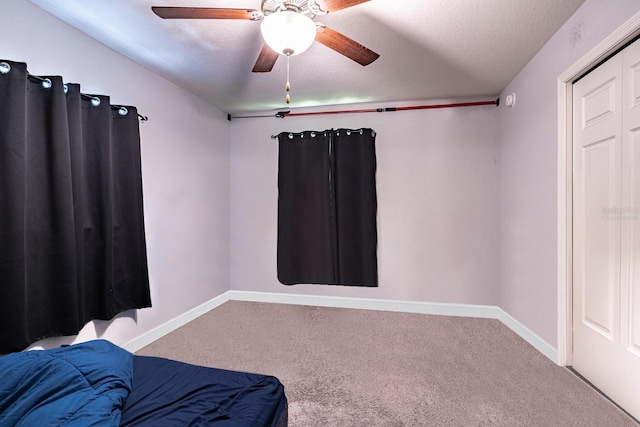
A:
{"x":170,"y":393}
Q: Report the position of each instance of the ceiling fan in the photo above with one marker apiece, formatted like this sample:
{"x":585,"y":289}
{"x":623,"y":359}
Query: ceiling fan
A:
{"x":288,"y":27}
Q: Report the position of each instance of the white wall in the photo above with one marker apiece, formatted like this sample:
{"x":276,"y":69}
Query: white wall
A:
{"x":185,"y":162}
{"x":528,"y":168}
{"x":437,"y":203}
{"x":467,"y":197}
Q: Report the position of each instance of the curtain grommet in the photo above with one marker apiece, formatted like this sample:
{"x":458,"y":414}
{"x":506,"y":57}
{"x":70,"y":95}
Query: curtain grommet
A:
{"x":95,"y":101}
{"x":66,"y":88}
{"x":46,"y":83}
{"x":313,"y":134}
{"x":123,"y":111}
{"x":4,"y":67}
{"x":290,"y":136}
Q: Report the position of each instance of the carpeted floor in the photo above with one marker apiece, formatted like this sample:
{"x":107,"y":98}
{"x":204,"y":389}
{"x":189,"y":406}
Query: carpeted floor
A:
{"x":347,"y":367}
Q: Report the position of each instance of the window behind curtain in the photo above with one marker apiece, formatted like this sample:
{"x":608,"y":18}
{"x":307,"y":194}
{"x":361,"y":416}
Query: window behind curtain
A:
{"x":327,"y":208}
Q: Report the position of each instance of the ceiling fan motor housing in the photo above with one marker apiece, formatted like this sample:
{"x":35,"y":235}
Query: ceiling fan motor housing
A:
{"x":307,"y":7}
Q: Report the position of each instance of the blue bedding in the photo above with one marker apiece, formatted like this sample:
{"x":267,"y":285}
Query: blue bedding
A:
{"x":97,"y":383}
{"x":84,"y":385}
{"x":171,"y":393}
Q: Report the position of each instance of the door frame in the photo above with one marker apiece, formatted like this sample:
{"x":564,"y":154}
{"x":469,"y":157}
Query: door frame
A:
{"x":618,"y":38}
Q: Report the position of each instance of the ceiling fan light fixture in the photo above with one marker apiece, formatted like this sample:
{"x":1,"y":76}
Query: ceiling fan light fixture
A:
{"x":288,"y":32}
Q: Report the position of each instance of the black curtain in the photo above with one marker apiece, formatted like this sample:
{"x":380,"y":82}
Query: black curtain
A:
{"x":72,"y":240}
{"x":327,"y":208}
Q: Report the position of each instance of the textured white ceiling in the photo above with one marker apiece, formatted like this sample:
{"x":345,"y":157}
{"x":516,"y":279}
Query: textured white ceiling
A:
{"x":429,"y":49}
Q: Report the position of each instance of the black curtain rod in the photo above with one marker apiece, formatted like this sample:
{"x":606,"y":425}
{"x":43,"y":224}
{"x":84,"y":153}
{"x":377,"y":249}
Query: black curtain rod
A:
{"x":283,"y":114}
{"x":46,"y":83}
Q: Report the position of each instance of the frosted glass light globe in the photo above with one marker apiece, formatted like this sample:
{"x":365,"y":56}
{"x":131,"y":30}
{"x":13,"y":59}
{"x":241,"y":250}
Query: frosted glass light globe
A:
{"x":288,"y":32}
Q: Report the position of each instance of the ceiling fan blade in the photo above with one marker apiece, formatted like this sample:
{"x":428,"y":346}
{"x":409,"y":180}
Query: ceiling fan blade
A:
{"x":333,"y":5}
{"x":170,"y":12}
{"x":345,"y":46}
{"x":266,"y":60}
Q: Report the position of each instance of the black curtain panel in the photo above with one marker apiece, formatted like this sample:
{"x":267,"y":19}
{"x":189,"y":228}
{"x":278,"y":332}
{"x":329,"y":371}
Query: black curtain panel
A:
{"x":327,"y":208}
{"x":72,"y":240}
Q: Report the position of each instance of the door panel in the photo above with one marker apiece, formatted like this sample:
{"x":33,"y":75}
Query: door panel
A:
{"x":599,"y":103}
{"x":600,"y":243}
{"x":597,"y":196}
{"x":631,"y":186}
{"x":634,"y":241}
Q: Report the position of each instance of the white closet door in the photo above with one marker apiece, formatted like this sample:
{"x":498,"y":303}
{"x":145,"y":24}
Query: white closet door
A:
{"x":630,"y":230}
{"x":606,"y":245}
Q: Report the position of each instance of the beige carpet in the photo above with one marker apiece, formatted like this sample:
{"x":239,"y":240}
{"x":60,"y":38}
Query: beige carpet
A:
{"x":346,"y":367}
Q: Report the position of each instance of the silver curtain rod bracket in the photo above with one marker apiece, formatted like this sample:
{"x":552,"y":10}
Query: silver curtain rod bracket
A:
{"x":123,"y":111}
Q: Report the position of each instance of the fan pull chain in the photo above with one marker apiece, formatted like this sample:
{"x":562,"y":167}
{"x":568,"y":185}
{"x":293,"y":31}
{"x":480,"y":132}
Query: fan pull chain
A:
{"x":288,"y":85}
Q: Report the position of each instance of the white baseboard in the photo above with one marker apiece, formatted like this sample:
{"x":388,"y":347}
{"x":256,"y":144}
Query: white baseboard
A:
{"x":463,"y":310}
{"x":528,"y":335}
{"x":173,"y":324}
